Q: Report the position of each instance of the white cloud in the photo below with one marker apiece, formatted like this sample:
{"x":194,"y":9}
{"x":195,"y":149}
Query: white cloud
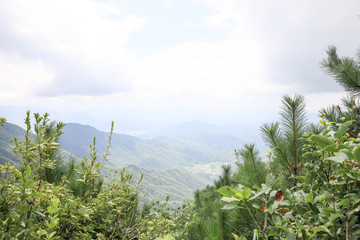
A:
{"x":317,"y":101}
{"x":228,"y":13}
{"x":84,"y":42}
{"x":20,"y":78}
{"x":168,"y":5}
{"x":76,"y":54}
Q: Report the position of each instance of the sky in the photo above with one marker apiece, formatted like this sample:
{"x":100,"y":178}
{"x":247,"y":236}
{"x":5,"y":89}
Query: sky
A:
{"x":151,"y":63}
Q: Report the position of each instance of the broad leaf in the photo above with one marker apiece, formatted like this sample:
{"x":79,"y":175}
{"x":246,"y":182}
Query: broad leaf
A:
{"x":257,"y":194}
{"x":357,"y":154}
{"x":228,"y":200}
{"x":322,"y":140}
{"x":243,"y":194}
{"x":288,"y":230}
{"x":335,"y":216}
{"x":226,"y":191}
{"x":310,"y":198}
{"x":246,"y":193}
{"x":229,"y":206}
{"x":342,"y":129}
{"x":339,"y":157}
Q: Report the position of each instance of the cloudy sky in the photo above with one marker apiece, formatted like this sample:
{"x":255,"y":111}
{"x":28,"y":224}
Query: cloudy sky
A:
{"x":146,"y":60}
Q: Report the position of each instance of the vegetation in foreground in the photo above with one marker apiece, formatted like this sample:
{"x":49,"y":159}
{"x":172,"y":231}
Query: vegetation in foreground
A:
{"x":308,"y":188}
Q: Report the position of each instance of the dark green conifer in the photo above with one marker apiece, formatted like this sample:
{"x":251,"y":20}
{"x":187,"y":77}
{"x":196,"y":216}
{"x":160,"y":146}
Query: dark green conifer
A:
{"x":284,"y":138}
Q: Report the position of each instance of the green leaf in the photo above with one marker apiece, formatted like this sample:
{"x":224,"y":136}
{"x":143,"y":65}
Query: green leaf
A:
{"x":246,"y":193}
{"x":28,"y":172}
{"x":339,"y":157}
{"x":29,"y":184}
{"x":229,"y":206}
{"x":314,"y":208}
{"x":322,"y":229}
{"x":357,"y":154}
{"x":52,"y":234}
{"x":236,"y":237}
{"x":276,"y":219}
{"x":23,"y":196}
{"x":335,"y":216}
{"x":342,"y":129}
{"x":310,"y":197}
{"x":273,"y":232}
{"x":346,"y":151}
{"x":285,"y":229}
{"x":322,"y":140}
{"x":343,"y":202}
{"x":242,"y":237}
{"x":167,"y":237}
{"x":226,"y":191}
{"x":330,"y":148}
{"x":256,"y":234}
{"x":257,"y":194}
{"x":25,"y":208}
{"x":299,"y":225}
{"x":228,"y":200}
{"x":35,"y":195}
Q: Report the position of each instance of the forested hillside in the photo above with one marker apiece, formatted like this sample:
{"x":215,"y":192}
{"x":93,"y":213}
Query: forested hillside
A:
{"x":178,"y":184}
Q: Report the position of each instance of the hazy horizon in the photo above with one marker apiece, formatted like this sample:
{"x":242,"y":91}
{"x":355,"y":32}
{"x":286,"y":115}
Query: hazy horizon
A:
{"x":152,"y":64}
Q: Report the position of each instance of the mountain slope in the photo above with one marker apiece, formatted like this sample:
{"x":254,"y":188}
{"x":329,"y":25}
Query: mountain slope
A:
{"x":158,"y":153}
{"x":177,"y":183}
{"x":7,"y":133}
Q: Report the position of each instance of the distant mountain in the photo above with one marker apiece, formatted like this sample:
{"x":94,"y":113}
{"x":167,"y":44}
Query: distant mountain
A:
{"x":7,"y":133}
{"x":194,"y":128}
{"x":222,"y":138}
{"x":202,"y":147}
{"x":157,"y":153}
{"x":178,"y":183}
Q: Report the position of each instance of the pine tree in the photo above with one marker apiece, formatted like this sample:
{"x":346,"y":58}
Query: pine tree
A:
{"x":213,"y":222}
{"x":345,"y":70}
{"x":251,"y":169}
{"x":284,"y":138}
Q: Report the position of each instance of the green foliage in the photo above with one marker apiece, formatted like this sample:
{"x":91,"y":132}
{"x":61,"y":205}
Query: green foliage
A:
{"x":212,"y":220}
{"x":349,"y":110}
{"x":166,"y":222}
{"x":284,"y":138}
{"x":2,"y":121}
{"x":34,"y":204}
{"x":326,"y":201}
{"x":345,"y":70}
{"x":178,"y":183}
{"x":251,"y":169}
